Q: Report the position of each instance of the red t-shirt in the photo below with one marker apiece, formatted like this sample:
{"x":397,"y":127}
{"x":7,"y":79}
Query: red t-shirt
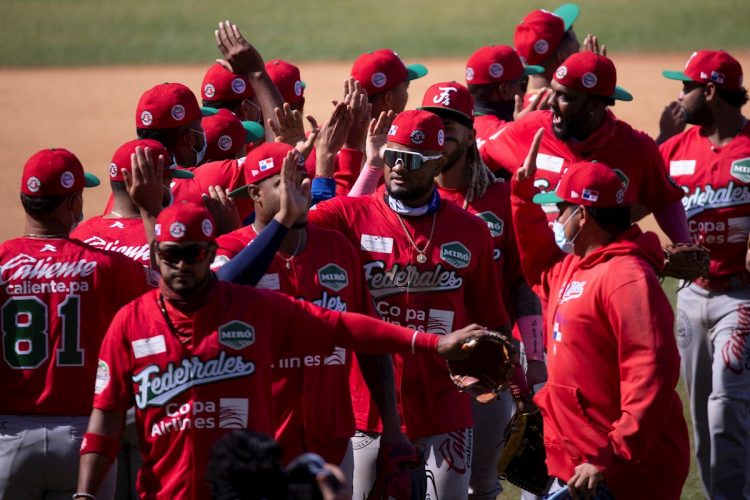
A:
{"x":488,"y":127}
{"x":125,"y":236}
{"x":716,"y":181}
{"x":58,"y":297}
{"x":449,"y":291}
{"x":327,"y":273}
{"x":188,"y":395}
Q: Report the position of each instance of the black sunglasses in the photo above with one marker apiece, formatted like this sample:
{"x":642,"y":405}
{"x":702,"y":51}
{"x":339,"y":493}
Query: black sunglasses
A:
{"x":189,"y":254}
{"x":409,"y":159}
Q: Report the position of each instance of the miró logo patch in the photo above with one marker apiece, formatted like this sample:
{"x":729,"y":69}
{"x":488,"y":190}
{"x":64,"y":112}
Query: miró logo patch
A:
{"x":494,"y":223}
{"x":741,"y":170}
{"x":455,"y":254}
{"x":236,"y":335}
{"x":333,"y":277}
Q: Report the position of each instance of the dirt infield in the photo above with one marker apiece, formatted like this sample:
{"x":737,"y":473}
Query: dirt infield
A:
{"x":91,"y":110}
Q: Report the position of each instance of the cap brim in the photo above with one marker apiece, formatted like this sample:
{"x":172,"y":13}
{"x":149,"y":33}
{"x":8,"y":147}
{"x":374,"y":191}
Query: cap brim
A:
{"x":677,"y":75}
{"x":179,"y":173}
{"x":90,"y":180}
{"x":254,"y":131}
{"x":569,"y":13}
{"x":415,"y":71}
{"x":547,"y":198}
{"x":450,"y":114}
{"x":532,"y":70}
{"x":621,"y":94}
{"x":208,"y":111}
{"x":304,"y":85}
{"x":240,"y":192}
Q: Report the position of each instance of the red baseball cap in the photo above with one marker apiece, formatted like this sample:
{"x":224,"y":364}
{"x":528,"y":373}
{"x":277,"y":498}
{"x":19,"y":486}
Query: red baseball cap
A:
{"x":287,"y":79}
{"x":226,"y":134}
{"x":450,"y":100}
{"x":263,"y":162}
{"x":220,"y":84}
{"x":121,"y":160}
{"x":541,"y":32}
{"x":497,"y":63}
{"x":592,"y":74}
{"x":52,"y":172}
{"x":165,"y":106}
{"x":419,"y":130}
{"x":591,"y":184}
{"x":182,"y":222}
{"x":714,"y":66}
{"x":382,"y":70}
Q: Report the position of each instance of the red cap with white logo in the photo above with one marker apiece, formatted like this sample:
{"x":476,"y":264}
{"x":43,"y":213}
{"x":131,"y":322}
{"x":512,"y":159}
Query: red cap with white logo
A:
{"x":714,"y":66}
{"x":286,"y":77}
{"x":497,"y":63}
{"x":263,"y":162}
{"x":53,"y":172}
{"x":382,"y":70}
{"x":592,"y":74}
{"x":419,"y":130}
{"x":220,"y":84}
{"x":225,"y":135}
{"x":121,"y":160}
{"x":165,"y":106}
{"x":450,"y":100}
{"x":185,"y":222}
{"x":591,"y":184}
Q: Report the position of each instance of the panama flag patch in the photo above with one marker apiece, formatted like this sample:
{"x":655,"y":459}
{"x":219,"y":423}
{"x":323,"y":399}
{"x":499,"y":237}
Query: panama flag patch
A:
{"x":265,"y":164}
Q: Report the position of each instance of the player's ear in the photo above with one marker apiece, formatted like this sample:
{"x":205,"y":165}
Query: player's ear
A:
{"x":254,"y":192}
{"x":709,"y":92}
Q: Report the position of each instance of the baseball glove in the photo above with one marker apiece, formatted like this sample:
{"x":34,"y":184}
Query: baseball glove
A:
{"x":488,"y":367}
{"x":686,"y":261}
{"x":400,"y":473}
{"x":522,"y":460}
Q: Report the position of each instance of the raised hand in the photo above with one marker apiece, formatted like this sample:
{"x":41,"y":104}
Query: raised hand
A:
{"x":377,"y":137}
{"x":336,"y":130}
{"x":294,"y":197}
{"x":672,"y":121}
{"x":237,"y":51}
{"x":287,"y":126}
{"x":223,"y":209}
{"x":361,"y":110}
{"x":144,"y":182}
{"x":528,"y":169}
{"x":539,"y":101}
{"x":591,"y":44}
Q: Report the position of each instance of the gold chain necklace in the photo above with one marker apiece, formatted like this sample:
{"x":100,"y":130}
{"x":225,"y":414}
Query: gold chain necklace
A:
{"x":294,"y":254}
{"x":421,"y":257}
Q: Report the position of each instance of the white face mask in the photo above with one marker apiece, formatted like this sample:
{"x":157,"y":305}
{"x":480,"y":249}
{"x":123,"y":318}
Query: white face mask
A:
{"x":559,"y":229}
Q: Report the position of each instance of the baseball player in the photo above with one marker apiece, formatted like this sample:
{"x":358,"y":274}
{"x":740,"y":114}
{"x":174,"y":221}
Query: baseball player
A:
{"x":711,"y":161}
{"x":286,"y":77}
{"x":611,"y":412}
{"x":466,"y":181}
{"x":425,"y":262}
{"x":227,"y":135}
{"x":578,"y":126}
{"x":195,"y":358}
{"x":58,"y":297}
{"x":493,"y":76}
{"x":223,"y":89}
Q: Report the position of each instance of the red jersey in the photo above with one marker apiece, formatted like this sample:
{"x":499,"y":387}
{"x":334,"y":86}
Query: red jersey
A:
{"x":632,"y":153}
{"x":58,"y":297}
{"x":450,"y":290}
{"x":488,"y":127}
{"x":716,"y":181}
{"x":611,"y":357}
{"x":187,"y":394}
{"x":122,"y":235}
{"x":327,"y":273}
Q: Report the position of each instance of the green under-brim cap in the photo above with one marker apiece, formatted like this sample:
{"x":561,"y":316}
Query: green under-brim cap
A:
{"x":90,"y":180}
{"x":179,"y":173}
{"x":254,"y":130}
{"x":677,"y":75}
{"x":532,"y":70}
{"x":451,"y":114}
{"x":548,"y":198}
{"x":569,"y":13}
{"x":208,"y":111}
{"x":240,"y":192}
{"x":621,"y":94}
{"x":415,"y":71}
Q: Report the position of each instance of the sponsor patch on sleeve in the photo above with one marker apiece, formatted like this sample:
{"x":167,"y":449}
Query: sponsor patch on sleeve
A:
{"x":102,"y":377}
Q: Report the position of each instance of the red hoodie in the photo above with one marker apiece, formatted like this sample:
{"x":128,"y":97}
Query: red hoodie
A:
{"x":613,"y":364}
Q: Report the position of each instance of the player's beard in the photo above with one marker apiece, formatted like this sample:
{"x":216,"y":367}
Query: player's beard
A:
{"x":569,"y":128}
{"x":460,"y":152}
{"x":407,"y":195}
{"x":699,"y":115}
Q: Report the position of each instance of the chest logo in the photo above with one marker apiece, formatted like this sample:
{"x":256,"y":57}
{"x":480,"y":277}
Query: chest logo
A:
{"x":741,"y":170}
{"x":455,"y":254}
{"x":236,"y":335}
{"x":494,"y":223}
{"x":333,"y":277}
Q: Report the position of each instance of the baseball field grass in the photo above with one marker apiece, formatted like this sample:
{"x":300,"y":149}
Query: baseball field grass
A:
{"x":106,"y":32}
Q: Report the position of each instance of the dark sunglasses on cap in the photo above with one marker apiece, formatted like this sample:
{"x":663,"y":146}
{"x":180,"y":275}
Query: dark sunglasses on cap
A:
{"x":189,"y":254}
{"x":409,"y":159}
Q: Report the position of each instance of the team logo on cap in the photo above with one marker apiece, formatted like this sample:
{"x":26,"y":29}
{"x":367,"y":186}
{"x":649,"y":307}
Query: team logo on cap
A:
{"x":33,"y":184}
{"x":209,"y":91}
{"x":541,"y":46}
{"x":690,"y":59}
{"x":266,"y":164}
{"x":417,"y":136}
{"x":177,"y":230}
{"x":620,"y":196}
{"x":561,"y":72}
{"x":112,"y":170}
{"x":469,"y":74}
{"x":496,"y":70}
{"x":441,"y":137}
{"x":589,"y":80}
{"x":378,"y":80}
{"x":238,"y":86}
{"x":298,"y":88}
{"x":146,"y":118}
{"x":178,"y":112}
{"x":67,"y":179}
{"x":224,"y":143}
{"x":444,"y":97}
{"x":207,"y":227}
{"x":299,"y":160}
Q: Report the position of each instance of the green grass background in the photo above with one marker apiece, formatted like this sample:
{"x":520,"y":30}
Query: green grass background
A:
{"x":105,"y":32}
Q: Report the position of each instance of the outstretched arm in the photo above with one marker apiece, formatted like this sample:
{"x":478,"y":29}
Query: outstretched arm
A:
{"x":100,"y":446}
